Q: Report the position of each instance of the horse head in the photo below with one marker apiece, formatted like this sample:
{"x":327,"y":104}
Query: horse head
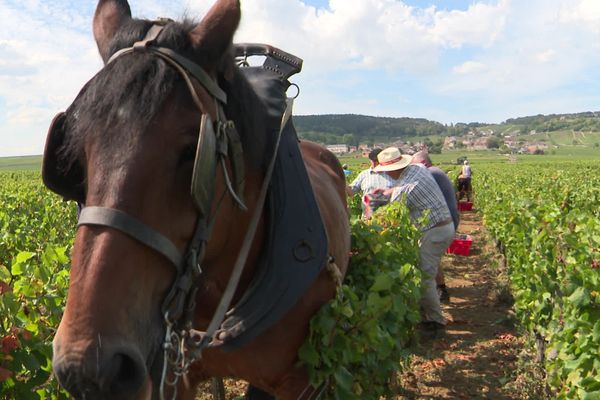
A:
{"x":129,"y":148}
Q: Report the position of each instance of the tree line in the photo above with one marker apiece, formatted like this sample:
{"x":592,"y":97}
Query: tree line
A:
{"x":354,"y":129}
{"x":586,"y":121}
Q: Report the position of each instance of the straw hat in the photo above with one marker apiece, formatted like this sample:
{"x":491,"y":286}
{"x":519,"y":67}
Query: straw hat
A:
{"x":391,"y":159}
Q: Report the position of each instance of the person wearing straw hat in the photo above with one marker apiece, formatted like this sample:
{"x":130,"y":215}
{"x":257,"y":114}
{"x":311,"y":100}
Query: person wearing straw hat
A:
{"x":367,"y":181}
{"x":430,"y":213}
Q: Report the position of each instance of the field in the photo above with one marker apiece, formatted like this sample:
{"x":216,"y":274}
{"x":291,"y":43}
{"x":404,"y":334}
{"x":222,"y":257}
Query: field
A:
{"x":25,"y":163}
{"x":541,"y":213}
{"x":545,"y":219}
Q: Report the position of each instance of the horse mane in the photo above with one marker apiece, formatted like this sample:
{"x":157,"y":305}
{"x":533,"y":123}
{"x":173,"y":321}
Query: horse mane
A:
{"x":138,"y":86}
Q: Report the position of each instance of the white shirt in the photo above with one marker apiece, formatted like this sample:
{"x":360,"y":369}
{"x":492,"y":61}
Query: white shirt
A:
{"x":466,"y":171}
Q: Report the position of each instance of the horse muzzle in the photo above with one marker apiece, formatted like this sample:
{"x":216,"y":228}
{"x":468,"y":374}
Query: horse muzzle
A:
{"x":102,"y":369}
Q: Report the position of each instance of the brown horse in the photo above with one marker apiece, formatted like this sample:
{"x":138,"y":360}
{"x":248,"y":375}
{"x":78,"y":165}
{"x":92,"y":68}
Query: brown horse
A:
{"x":129,"y":145}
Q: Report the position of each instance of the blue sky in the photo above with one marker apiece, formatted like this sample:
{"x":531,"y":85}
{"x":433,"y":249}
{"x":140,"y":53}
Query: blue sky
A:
{"x":444,"y":60}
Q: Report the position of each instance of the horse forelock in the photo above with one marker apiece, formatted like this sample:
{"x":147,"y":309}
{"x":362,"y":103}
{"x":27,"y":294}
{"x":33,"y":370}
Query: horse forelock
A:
{"x":117,"y":105}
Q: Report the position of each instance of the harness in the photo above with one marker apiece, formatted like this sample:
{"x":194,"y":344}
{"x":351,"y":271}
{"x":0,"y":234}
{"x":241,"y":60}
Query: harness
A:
{"x":218,"y":142}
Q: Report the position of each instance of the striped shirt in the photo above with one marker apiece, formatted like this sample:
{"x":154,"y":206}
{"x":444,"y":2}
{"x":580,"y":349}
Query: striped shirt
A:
{"x":422,"y":195}
{"x":368,"y":180}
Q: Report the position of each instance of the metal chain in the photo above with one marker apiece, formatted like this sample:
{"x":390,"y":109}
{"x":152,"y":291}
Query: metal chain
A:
{"x":175,"y":359}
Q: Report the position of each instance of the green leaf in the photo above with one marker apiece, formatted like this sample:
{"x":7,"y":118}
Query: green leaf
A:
{"x":17,"y":269}
{"x":344,"y":379}
{"x":376,"y":302}
{"x":580,"y":297}
{"x":592,"y":395}
{"x":308,"y":354}
{"x":382,"y":283}
{"x":24,"y":256}
{"x":347,"y":311}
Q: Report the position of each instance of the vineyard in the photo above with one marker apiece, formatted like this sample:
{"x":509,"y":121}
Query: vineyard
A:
{"x":544,"y":217}
{"x":36,"y":231}
{"x":546,"y":220}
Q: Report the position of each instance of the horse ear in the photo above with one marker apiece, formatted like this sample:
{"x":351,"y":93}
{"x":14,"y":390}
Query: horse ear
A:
{"x":214,"y":34}
{"x":109,"y":17}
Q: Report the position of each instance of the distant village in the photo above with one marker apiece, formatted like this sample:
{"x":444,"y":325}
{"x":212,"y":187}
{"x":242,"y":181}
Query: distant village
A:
{"x":474,"y":140}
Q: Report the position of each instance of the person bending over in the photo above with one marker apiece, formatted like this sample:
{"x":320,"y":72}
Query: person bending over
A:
{"x":423,"y":197}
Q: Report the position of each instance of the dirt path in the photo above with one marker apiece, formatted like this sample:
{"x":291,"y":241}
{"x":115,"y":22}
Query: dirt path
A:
{"x":477,"y":356}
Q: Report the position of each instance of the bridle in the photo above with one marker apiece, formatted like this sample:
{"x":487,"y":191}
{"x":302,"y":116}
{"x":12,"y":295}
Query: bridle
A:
{"x":217,"y":144}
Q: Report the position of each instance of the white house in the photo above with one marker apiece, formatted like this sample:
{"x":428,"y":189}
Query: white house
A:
{"x":338,"y":148}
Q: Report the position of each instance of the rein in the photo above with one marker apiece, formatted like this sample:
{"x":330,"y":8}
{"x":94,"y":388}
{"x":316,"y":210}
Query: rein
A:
{"x":183,"y":345}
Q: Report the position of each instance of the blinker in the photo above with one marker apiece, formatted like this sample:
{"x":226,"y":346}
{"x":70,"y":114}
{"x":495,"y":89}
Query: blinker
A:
{"x":205,"y":167}
{"x":64,"y":177}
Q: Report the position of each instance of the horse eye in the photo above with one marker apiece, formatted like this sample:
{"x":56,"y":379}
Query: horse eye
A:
{"x":187,"y":155}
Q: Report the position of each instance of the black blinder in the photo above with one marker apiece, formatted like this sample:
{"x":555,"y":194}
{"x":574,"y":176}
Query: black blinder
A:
{"x":205,"y":167}
{"x":61,"y":176}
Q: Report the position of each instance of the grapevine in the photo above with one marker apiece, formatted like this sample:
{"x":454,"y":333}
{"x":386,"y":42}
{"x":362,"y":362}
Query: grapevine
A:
{"x":357,"y":341}
{"x":547,"y":218}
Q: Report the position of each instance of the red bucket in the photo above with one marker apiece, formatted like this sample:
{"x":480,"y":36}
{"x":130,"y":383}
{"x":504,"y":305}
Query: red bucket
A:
{"x":461,"y":245}
{"x":465,"y":205}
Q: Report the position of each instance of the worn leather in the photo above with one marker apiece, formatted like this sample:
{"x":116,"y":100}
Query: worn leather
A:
{"x":295,"y":251}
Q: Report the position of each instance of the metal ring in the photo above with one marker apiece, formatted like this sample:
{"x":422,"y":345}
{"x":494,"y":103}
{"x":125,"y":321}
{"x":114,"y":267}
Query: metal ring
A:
{"x":297,"y":93}
{"x":303,"y":251}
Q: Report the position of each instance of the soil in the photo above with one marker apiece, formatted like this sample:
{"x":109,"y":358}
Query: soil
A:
{"x":477,"y":355}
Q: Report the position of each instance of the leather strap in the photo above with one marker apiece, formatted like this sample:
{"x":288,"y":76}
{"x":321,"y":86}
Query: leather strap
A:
{"x":236,"y":273}
{"x":167,"y":54}
{"x":141,"y":232}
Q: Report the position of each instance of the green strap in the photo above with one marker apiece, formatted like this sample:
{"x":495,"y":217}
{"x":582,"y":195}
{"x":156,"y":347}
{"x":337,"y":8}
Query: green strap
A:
{"x":139,"y":231}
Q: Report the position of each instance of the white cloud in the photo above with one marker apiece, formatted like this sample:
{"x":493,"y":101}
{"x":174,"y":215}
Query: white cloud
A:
{"x":46,"y":56}
{"x":469,"y":67}
{"x":585,"y":12}
{"x":545,"y":56}
{"x":43,"y":62}
{"x":539,"y":59}
{"x":480,"y":24}
{"x":370,"y":34}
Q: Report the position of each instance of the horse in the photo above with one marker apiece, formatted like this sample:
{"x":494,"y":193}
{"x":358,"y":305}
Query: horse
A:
{"x":129,"y":149}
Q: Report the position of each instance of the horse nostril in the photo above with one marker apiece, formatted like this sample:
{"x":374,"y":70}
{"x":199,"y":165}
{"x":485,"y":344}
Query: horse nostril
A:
{"x":126,"y":374}
{"x":116,"y":373}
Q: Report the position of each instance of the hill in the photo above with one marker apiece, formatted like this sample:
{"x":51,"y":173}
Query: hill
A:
{"x":353,"y":129}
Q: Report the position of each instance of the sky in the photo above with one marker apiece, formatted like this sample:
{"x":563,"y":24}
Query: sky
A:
{"x":445,"y":60}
